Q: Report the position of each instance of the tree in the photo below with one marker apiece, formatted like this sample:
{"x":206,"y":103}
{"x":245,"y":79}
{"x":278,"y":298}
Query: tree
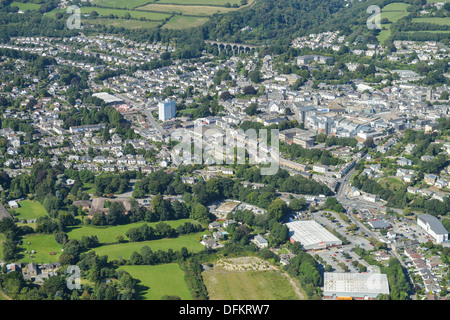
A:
{"x":200,"y":213}
{"x":277,"y":209}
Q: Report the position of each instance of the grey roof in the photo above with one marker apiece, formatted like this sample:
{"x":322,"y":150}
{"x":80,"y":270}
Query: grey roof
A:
{"x":379,"y":224}
{"x":434,"y":223}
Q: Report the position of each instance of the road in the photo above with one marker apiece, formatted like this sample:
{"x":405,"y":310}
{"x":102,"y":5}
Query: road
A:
{"x":145,"y":110}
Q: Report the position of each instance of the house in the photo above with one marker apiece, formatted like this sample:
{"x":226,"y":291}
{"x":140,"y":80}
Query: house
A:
{"x":213,"y":225}
{"x":430,"y":179}
{"x":218,"y":235}
{"x":228,"y":223}
{"x":13,"y":204}
{"x":260,"y":241}
{"x":405,"y":162}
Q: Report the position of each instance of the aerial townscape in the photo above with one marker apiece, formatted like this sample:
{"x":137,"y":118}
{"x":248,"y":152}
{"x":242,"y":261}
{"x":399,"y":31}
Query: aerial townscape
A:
{"x":224,"y":150}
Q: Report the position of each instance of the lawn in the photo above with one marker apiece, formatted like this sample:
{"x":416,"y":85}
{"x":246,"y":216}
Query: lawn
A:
{"x":124,"y":250}
{"x":29,"y":209}
{"x":247,"y":285}
{"x":108,"y":234}
{"x":25,"y":6}
{"x":157,"y":281}
{"x":42,"y":244}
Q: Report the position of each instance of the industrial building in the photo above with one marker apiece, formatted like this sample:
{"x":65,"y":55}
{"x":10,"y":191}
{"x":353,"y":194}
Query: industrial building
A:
{"x":358,"y":286}
{"x":108,"y":98}
{"x":433,"y":227}
{"x":312,"y":235}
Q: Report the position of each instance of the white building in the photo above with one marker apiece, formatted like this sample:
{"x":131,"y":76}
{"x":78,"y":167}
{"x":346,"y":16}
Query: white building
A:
{"x":361,"y":286}
{"x":166,"y":110}
{"x":312,"y":235}
{"x":433,"y":227}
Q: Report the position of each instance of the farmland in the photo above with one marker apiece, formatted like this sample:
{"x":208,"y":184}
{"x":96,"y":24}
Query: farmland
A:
{"x":169,"y":14}
{"x":157,"y":281}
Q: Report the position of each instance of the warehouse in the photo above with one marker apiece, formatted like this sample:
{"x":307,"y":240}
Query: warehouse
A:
{"x":108,"y":98}
{"x":361,"y":286}
{"x":433,"y":227}
{"x":311,"y":235}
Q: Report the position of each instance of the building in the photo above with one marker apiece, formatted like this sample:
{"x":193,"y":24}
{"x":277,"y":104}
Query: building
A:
{"x":433,"y":227}
{"x":260,"y":241}
{"x":320,"y":168}
{"x":166,"y":110}
{"x":361,"y":286}
{"x":312,"y":235}
{"x":108,"y":98}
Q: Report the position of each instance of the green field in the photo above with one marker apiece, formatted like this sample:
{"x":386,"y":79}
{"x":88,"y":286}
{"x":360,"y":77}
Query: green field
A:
{"x":394,"y":183}
{"x":247,"y":285}
{"x":393,"y":12}
{"x":30,"y":210}
{"x":204,"y":2}
{"x":122,"y":23}
{"x":183,"y":22}
{"x":106,"y":12}
{"x":108,"y":234}
{"x":42,"y":244}
{"x":439,"y":21}
{"x":129,"y":4}
{"x":125,"y":250}
{"x":157,"y":281}
{"x":25,"y":6}
{"x":186,"y":10}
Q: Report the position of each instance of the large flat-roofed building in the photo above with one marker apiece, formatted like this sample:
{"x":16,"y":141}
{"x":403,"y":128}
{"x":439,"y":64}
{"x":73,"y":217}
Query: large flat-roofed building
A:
{"x":433,"y":227}
{"x":363,"y":286}
{"x":108,"y":98}
{"x":312,"y":235}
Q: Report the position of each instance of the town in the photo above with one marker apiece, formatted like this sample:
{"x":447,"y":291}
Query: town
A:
{"x":93,"y":130}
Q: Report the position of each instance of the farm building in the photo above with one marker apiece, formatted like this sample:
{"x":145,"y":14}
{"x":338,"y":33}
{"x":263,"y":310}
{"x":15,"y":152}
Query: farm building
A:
{"x":361,"y":286}
{"x":312,"y":235}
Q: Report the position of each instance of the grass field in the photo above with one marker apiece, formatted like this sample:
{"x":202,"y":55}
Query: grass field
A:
{"x":125,"y":250}
{"x":108,"y":234}
{"x":205,"y":2}
{"x":30,"y":210}
{"x":42,"y":244}
{"x":183,"y":22}
{"x":393,"y":12}
{"x":106,"y":12}
{"x":157,"y":281}
{"x":247,"y":285}
{"x":440,"y":21}
{"x":129,"y":4}
{"x":394,"y":183}
{"x":25,"y":6}
{"x":122,"y":23}
{"x":188,"y":10}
